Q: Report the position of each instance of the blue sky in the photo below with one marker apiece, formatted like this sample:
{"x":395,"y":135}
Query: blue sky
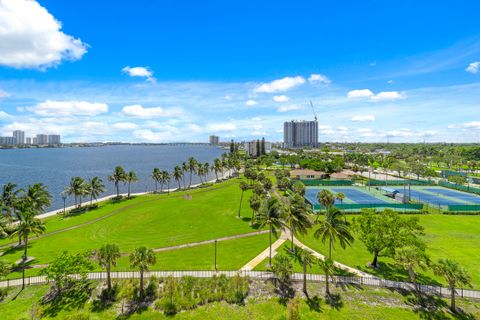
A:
{"x":161,"y":71}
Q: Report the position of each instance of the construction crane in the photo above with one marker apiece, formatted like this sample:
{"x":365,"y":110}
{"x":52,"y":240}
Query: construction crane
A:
{"x":313,"y":110}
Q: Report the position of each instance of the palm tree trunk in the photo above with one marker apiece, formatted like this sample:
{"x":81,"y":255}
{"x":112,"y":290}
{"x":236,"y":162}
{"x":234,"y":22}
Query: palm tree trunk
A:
{"x":128,"y":190}
{"x":109,"y":280}
{"x":240,"y":208}
{"x":190,"y":181}
{"x":91,"y":199}
{"x":270,"y":236}
{"x":330,"y":249}
{"x":452,"y":300}
{"x":141,"y":283}
{"x":118,"y":190}
{"x":253,"y":216}
{"x":168,"y":187}
{"x":291,"y":231}
{"x":375,"y":259}
{"x":25,"y":247}
{"x":305,"y":278}
{"x":327,"y":288}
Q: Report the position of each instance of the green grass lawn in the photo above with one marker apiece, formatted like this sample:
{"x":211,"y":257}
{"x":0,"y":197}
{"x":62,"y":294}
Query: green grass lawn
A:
{"x":447,"y":236}
{"x":166,"y":221}
{"x":363,"y":303}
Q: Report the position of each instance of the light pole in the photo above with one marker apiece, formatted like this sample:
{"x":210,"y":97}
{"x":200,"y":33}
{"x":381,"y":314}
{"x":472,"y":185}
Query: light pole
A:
{"x":215,"y":259}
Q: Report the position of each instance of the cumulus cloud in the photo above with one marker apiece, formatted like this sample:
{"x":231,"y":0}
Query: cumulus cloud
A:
{"x":52,"y":108}
{"x":228,"y":126}
{"x":142,"y":72}
{"x":4,"y":115}
{"x":289,"y":108}
{"x":473,"y":67}
{"x":139,"y":111}
{"x":466,"y":125}
{"x":363,"y":118}
{"x":281,"y":98}
{"x":125,"y":126}
{"x":368,"y":94}
{"x":30,"y":37}
{"x":251,"y":103}
{"x":280,"y":85}
{"x":318,"y":78}
{"x":153,"y":136}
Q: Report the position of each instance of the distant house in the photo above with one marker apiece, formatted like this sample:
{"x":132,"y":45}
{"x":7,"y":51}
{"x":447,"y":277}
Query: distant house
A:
{"x":307,"y":174}
{"x":344,"y":175}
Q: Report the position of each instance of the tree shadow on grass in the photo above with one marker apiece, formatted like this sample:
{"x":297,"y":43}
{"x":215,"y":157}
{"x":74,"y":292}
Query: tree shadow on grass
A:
{"x":314,"y":304}
{"x":70,"y":298}
{"x":335,"y":301}
{"x":14,"y":249}
{"x":392,"y":272}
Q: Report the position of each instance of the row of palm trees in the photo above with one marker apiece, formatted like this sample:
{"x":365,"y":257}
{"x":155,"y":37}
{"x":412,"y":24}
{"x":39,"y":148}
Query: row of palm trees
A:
{"x":80,"y":188}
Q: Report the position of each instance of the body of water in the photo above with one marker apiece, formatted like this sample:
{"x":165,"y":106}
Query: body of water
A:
{"x":54,"y":167}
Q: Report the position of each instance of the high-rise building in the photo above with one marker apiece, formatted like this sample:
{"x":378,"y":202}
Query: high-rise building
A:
{"x":54,"y":139}
{"x":253,"y":148}
{"x":34,"y":140}
{"x":8,"y":140}
{"x":19,"y":136}
{"x":29,"y":140}
{"x":297,"y":134}
{"x":42,"y":139}
{"x":214,"y":140}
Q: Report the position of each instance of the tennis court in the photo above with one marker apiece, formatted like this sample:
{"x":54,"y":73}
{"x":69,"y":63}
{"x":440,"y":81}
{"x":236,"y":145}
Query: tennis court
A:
{"x":355,"y":195}
{"x":439,"y":196}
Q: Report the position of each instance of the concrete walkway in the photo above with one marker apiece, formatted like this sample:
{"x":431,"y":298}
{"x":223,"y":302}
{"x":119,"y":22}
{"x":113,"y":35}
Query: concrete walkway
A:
{"x":265,"y":253}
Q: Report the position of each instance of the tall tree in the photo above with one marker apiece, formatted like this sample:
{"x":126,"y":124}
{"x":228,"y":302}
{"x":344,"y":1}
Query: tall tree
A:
{"x":130,"y":177}
{"x":270,"y":215}
{"x":10,"y":196}
{"x":326,"y":199}
{"x":306,"y":259}
{"x":454,"y":274}
{"x":117,"y":177}
{"x":39,"y":197}
{"x":296,"y":215}
{"x":164,"y":179}
{"x":328,"y":267}
{"x":107,"y":257}
{"x":156,"y":173}
{"x":142,"y":258}
{"x":255,"y":203}
{"x":77,"y":188}
{"x":178,"y":175}
{"x":333,"y":229}
{"x":340,"y":196}
{"x":243,"y":187}
{"x":95,"y":188}
{"x":192,"y":167}
{"x":217,"y":167}
{"x":411,"y":259}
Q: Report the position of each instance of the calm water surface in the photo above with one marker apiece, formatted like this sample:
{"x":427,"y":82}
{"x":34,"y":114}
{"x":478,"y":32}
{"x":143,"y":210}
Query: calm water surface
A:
{"x":55,"y":166}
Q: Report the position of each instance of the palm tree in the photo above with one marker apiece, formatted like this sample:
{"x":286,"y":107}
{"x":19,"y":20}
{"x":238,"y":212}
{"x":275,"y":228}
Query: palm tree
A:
{"x":9,"y":198}
{"x":78,"y":188}
{"x":184,"y":170}
{"x":328,"y":267}
{"x":117,"y":177}
{"x":255,"y":203}
{"x":107,"y":257}
{"x":243,"y":186}
{"x":411,"y":258}
{"x":297,"y":216}
{"x":326,"y":199}
{"x":299,"y":188}
{"x":95,"y":188}
{"x":217,"y":167}
{"x":340,"y":196}
{"x":192,"y":167}
{"x":270,"y":215}
{"x":333,"y":229}
{"x":142,"y":258}
{"x":165,"y":178}
{"x":39,"y":197}
{"x":156,"y":177}
{"x":130,"y":177}
{"x":454,"y":274}
{"x":306,"y":259}
{"x":28,"y":224}
{"x":178,"y":175}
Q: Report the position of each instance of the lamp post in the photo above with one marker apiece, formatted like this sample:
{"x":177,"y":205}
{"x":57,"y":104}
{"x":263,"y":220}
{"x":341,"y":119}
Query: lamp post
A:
{"x":215,"y":260}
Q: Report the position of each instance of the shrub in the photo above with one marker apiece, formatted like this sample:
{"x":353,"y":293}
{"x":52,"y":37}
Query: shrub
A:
{"x":293,"y":312}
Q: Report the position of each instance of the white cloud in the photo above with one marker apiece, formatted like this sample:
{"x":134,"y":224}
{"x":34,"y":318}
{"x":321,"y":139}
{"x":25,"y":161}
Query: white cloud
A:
{"x":363,"y":118}
{"x":280,"y":85}
{"x":318,"y":78}
{"x":256,"y":119}
{"x":30,"y":37}
{"x":194,"y":128}
{"x":281,"y":98}
{"x":466,"y":125}
{"x":125,"y":126}
{"x":4,"y":115}
{"x":368,"y":94}
{"x":324,"y":127}
{"x":228,"y":97}
{"x":390,"y":81}
{"x":387,"y":96}
{"x":221,"y":127}
{"x":4,"y":94}
{"x":153,"y":136}
{"x":289,"y":108}
{"x":342,"y":128}
{"x":143,"y":72}
{"x":139,"y":111}
{"x":473,"y":67}
{"x":363,"y":93}
{"x":251,"y":103}
{"x":51,"y":108}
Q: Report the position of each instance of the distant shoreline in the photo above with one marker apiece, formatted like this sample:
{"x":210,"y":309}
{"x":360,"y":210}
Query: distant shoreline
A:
{"x":105,"y":144}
